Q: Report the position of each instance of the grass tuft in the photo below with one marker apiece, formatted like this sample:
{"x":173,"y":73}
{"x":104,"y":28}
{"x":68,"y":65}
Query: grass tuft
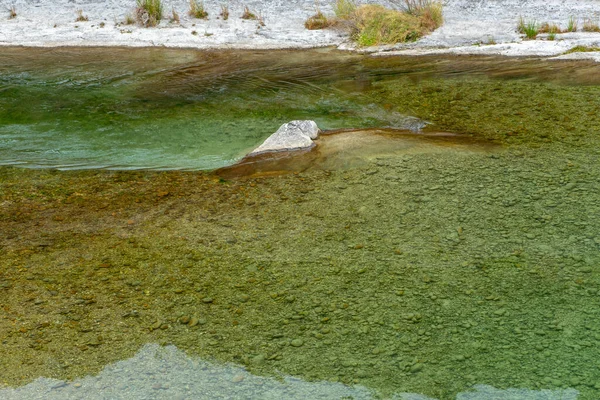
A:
{"x":12,"y":12}
{"x":197,"y":10}
{"x":371,"y":24}
{"x":376,"y":25}
{"x":174,"y":16}
{"x":429,"y":11}
{"x":317,"y":21}
{"x":248,"y":14}
{"x":551,"y":36}
{"x":529,"y":28}
{"x":572,"y":25}
{"x":81,"y":17}
{"x":224,"y":12}
{"x":549,"y":28}
{"x":344,"y":9}
{"x":149,"y":12}
{"x":129,"y":20}
{"x":582,"y":49}
{"x":590,"y":26}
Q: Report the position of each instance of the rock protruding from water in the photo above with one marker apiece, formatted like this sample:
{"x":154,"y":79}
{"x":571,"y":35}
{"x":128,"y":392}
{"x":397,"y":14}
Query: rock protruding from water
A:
{"x":294,"y":135}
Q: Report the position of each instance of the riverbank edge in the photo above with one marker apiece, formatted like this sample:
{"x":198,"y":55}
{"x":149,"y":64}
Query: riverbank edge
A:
{"x":488,"y":28}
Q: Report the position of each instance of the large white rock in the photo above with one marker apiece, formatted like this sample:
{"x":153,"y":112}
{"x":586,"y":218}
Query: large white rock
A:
{"x":294,"y":135}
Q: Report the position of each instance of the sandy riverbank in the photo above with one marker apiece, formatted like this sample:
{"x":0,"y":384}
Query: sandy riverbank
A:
{"x":471,"y":26}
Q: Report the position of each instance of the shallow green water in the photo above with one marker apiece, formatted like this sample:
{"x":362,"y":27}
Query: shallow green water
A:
{"x":424,"y":271}
{"x":166,"y":109}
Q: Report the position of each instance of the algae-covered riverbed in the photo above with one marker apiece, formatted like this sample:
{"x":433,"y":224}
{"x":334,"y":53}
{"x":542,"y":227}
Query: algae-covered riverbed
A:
{"x":425,"y":271}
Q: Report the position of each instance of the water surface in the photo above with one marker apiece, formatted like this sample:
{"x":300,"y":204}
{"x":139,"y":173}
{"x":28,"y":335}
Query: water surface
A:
{"x":423,"y":268}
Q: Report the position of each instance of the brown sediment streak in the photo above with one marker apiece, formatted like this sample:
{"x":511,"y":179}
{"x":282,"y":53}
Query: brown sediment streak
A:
{"x":344,"y":148}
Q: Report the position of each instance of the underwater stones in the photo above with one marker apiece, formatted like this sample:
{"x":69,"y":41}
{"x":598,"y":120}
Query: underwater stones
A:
{"x":258,"y":359}
{"x":156,"y":325}
{"x":294,"y":135}
{"x":244,"y":298}
{"x":418,"y":367}
{"x":196,"y":321}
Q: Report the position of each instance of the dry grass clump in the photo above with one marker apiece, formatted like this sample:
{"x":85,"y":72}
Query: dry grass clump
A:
{"x":317,"y":21}
{"x":590,"y":26}
{"x":174,"y":16}
{"x":81,"y":17}
{"x":12,"y":12}
{"x":371,"y":24}
{"x":430,"y":12}
{"x":224,"y":12}
{"x":344,"y":9}
{"x":375,"y":24}
{"x":248,"y":14}
{"x":149,"y":12}
{"x":549,"y":28}
{"x":197,"y":10}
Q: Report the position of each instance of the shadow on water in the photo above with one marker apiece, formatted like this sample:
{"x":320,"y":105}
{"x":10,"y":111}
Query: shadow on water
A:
{"x":394,"y":261}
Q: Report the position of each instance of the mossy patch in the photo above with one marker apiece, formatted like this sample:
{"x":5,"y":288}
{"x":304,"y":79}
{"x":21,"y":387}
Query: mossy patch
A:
{"x":582,"y":49}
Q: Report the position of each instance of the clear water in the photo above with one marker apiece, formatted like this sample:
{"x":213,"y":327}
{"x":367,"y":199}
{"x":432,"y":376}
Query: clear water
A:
{"x":161,"y":109}
{"x":430,"y":266}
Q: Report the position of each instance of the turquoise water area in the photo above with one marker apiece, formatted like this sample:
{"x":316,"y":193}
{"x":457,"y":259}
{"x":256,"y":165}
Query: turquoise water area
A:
{"x":162,"y":109}
{"x":431,"y":266}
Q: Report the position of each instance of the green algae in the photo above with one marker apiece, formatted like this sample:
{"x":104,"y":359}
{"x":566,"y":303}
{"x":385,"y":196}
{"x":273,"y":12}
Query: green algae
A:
{"x":425,"y":272}
{"x":517,"y":111}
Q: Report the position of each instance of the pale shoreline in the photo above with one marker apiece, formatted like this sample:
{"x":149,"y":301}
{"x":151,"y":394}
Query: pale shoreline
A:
{"x":486,"y":27}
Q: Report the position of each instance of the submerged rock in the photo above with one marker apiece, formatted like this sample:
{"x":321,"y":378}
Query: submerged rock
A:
{"x":291,"y":136}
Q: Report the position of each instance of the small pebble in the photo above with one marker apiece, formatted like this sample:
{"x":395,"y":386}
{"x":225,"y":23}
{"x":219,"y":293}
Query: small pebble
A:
{"x":416,"y":368}
{"x":244,"y":298}
{"x":156,"y":325}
